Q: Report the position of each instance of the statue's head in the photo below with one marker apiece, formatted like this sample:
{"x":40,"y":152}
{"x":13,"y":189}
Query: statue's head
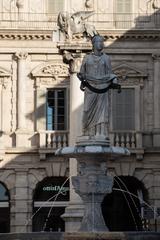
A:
{"x":98,"y":42}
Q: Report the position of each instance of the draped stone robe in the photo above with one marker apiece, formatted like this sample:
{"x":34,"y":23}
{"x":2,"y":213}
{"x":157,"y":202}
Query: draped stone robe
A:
{"x":97,"y":71}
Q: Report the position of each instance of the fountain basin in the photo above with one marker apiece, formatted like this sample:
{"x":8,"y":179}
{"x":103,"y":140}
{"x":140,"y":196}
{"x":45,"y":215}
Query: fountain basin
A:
{"x":92,"y":182}
{"x":100,"y":151}
{"x":81,"y":236}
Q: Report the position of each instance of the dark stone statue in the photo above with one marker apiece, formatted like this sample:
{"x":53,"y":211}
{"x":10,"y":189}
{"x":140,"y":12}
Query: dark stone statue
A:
{"x":96,"y":79}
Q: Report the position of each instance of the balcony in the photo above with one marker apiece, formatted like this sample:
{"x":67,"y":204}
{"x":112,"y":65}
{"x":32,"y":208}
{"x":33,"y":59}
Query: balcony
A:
{"x":129,"y":139}
{"x":50,"y":141}
{"x":102,"y":21}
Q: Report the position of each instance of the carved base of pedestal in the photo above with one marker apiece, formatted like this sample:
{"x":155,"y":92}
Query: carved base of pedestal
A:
{"x":92,"y":182}
{"x":93,"y":141}
{"x":92,"y":187}
{"x":93,"y":220}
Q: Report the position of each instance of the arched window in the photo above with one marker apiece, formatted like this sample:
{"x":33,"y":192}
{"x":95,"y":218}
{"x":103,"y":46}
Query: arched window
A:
{"x":123,"y":209}
{"x":50,"y":198}
{"x":4,"y":209}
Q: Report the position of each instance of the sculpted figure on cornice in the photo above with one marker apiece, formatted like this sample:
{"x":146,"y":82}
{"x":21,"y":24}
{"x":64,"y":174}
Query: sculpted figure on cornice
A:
{"x":71,"y":24}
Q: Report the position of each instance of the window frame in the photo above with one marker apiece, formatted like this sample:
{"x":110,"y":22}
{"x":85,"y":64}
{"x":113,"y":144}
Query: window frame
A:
{"x":66,"y":118}
{"x":138,"y":113}
{"x":44,"y":205}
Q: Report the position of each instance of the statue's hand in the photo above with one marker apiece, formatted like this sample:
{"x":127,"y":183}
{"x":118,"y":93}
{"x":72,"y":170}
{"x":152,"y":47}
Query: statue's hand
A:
{"x":116,"y":86}
{"x":80,"y":76}
{"x":82,"y":87}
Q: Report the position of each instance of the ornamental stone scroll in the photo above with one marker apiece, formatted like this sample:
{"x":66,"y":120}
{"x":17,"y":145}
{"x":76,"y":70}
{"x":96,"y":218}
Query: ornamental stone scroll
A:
{"x":50,"y":74}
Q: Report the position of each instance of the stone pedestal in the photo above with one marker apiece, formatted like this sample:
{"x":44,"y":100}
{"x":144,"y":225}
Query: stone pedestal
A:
{"x":92,"y":188}
{"x":92,"y":182}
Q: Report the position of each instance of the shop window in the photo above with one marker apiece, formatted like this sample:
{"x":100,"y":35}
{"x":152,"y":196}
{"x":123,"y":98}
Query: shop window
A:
{"x":122,"y":209}
{"x":50,"y":199}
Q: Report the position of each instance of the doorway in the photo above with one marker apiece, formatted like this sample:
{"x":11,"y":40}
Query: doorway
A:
{"x":121,"y":209}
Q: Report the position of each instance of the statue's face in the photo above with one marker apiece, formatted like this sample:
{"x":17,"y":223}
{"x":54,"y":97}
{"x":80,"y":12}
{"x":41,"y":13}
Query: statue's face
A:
{"x":98,"y":44}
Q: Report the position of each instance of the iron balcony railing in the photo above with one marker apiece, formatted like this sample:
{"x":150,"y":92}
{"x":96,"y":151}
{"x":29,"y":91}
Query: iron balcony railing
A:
{"x":102,"y":21}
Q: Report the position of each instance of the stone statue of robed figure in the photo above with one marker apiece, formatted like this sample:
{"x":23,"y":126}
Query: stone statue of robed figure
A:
{"x":93,"y":149}
{"x":96,"y":79}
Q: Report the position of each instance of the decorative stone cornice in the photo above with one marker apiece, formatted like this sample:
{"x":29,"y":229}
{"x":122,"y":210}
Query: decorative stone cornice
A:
{"x":25,"y":36}
{"x":133,"y":34}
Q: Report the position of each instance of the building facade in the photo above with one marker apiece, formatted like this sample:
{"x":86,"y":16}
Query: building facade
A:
{"x":41,"y":109}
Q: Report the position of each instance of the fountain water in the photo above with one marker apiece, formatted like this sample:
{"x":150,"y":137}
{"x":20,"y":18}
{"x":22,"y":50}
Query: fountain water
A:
{"x":54,"y":198}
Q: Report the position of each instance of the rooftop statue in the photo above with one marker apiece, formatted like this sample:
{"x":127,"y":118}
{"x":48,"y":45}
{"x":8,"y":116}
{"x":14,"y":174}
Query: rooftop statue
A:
{"x":96,"y":79}
{"x":75,"y":23}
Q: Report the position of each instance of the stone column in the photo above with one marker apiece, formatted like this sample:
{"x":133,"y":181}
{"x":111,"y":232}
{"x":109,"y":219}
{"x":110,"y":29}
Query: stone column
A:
{"x":21,"y":201}
{"x":21,"y":132}
{"x":156,"y":93}
{"x":21,"y":72}
{"x":3,"y":83}
{"x":74,"y":212}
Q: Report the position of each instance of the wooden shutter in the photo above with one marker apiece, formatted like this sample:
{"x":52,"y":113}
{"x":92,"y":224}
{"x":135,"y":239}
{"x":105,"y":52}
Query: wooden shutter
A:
{"x":123,"y":109}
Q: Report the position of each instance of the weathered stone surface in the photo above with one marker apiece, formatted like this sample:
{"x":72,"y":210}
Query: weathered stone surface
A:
{"x":82,"y":236}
